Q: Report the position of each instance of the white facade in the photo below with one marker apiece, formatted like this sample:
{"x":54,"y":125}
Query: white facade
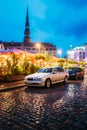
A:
{"x":78,"y":53}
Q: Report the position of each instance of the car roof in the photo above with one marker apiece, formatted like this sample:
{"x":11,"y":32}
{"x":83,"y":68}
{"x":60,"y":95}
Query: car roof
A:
{"x":52,"y":67}
{"x":74,"y":68}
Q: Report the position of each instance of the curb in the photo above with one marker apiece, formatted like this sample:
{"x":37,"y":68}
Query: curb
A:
{"x":12,"y":87}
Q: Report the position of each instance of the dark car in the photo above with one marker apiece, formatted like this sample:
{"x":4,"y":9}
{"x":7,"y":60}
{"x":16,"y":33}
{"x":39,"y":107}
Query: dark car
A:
{"x":76,"y":73}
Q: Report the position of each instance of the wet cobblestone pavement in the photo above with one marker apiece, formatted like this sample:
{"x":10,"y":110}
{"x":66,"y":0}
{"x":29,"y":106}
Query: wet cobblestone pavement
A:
{"x":61,"y":107}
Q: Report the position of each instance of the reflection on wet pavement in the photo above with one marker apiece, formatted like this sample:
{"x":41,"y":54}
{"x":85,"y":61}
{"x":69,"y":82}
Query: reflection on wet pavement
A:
{"x":59,"y":107}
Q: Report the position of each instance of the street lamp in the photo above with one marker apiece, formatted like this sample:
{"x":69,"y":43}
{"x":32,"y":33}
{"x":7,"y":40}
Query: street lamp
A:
{"x":38,"y":46}
{"x":59,"y":53}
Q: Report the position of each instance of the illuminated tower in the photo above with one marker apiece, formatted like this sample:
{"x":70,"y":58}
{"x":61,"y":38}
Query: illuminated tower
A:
{"x":27,"y":30}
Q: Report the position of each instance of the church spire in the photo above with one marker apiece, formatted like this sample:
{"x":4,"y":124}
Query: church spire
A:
{"x":27,"y":30}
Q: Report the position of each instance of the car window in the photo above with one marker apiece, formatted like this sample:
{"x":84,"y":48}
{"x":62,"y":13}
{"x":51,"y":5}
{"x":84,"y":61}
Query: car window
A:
{"x":40,"y":71}
{"x":45,"y":70}
{"x":60,"y":69}
{"x":48,"y":70}
{"x":70,"y":69}
{"x":75,"y":69}
{"x":79,"y":69}
{"x":55,"y":70}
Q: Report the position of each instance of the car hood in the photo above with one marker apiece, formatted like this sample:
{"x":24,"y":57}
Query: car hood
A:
{"x":38,"y":75}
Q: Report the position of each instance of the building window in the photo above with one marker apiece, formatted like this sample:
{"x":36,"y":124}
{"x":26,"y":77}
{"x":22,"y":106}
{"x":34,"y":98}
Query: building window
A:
{"x":33,"y":49}
{"x":80,"y":55}
{"x":83,"y":55}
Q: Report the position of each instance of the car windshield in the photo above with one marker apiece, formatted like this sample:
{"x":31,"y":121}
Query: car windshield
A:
{"x":70,"y":69}
{"x":74,"y":69}
{"x":45,"y":70}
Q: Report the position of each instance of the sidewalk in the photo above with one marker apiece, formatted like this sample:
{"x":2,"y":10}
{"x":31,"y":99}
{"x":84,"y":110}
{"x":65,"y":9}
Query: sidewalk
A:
{"x":10,"y":85}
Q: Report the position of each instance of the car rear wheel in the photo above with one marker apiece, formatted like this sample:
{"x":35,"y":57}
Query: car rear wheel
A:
{"x":65,"y":79}
{"x":48,"y":83}
{"x":82,"y":77}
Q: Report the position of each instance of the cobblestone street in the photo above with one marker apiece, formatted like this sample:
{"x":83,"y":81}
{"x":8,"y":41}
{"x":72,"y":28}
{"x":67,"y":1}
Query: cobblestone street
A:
{"x":61,"y":107}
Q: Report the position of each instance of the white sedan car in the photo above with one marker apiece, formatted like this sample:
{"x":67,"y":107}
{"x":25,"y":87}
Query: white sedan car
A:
{"x":47,"y":77}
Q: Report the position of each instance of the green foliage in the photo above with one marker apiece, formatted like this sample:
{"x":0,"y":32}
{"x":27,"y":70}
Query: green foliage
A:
{"x":33,"y":68}
{"x":48,"y":58}
{"x":12,"y":64}
{"x":61,"y":62}
{"x":72,"y":62}
{"x":9,"y":66}
{"x":14,"y":60}
{"x":3,"y":70}
{"x":40,"y":57}
{"x":29,"y":66}
{"x":25,"y":67}
{"x":18,"y":70}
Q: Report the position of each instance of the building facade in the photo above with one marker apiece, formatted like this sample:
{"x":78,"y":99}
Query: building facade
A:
{"x":27,"y":44}
{"x":2,"y":46}
{"x":78,"y":53}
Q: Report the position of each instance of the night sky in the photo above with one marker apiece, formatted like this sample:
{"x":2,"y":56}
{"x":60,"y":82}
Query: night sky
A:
{"x":61,"y":22}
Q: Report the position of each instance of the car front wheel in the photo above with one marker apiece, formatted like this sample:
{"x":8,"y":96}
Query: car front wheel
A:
{"x":76,"y":77}
{"x":48,"y":83}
